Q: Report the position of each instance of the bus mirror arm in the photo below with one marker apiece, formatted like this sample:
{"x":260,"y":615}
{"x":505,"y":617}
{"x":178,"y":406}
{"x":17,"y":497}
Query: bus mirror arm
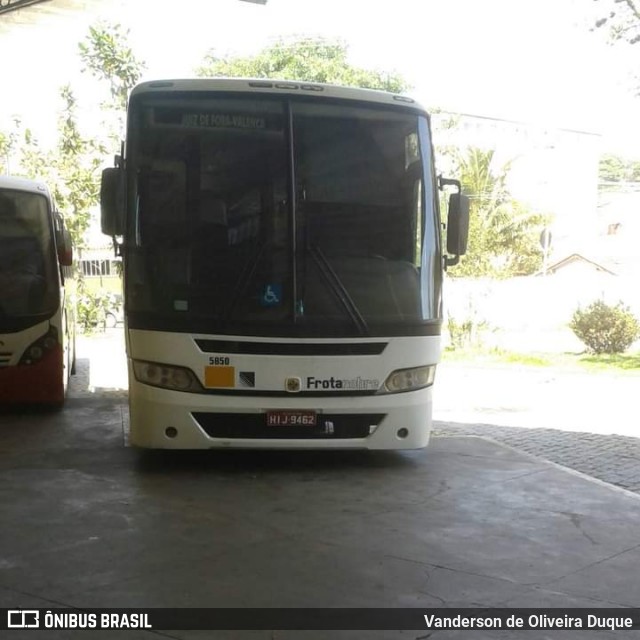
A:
{"x":451,"y":261}
{"x":443,"y":182}
{"x":117,"y":247}
{"x":457,"y":222}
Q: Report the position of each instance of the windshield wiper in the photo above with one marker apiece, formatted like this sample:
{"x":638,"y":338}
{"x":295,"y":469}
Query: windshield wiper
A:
{"x":246,"y":277}
{"x":335,"y":285}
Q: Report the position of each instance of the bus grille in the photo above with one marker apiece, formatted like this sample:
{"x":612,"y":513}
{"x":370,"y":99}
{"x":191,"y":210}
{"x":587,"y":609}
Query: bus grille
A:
{"x":253,"y":425}
{"x":5,"y":359}
{"x":292,"y":349}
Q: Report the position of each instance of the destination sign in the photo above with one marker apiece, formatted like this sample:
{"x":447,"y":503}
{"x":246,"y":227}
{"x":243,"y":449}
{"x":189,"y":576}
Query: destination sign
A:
{"x":223,"y":120}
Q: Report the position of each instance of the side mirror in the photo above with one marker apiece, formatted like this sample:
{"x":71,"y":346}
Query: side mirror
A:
{"x":111,"y":202}
{"x":458,"y":224}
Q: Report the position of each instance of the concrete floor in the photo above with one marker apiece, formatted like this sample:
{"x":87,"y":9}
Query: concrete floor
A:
{"x":87,"y":522}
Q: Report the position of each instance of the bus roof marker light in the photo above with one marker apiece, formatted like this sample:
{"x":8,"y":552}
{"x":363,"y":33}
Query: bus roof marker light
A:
{"x":160,"y":84}
{"x":181,"y":305}
{"x":404,"y":99}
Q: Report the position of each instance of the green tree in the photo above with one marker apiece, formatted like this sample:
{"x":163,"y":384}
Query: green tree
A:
{"x":78,"y":164}
{"x":614,"y":169}
{"x":611,"y":168}
{"x":107,"y":56}
{"x":503,"y":233}
{"x":302,"y":58}
{"x":5,"y":153}
{"x":620,"y":20}
{"x":8,"y":146}
{"x":71,"y":170}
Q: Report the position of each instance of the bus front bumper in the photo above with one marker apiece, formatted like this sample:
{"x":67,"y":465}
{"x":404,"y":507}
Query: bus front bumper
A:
{"x":162,"y":419}
{"x":38,"y":383}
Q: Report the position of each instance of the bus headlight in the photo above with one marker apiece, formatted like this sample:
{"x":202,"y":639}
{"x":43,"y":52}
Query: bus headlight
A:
{"x":36,"y":351}
{"x":166,"y":376}
{"x":410,"y":379}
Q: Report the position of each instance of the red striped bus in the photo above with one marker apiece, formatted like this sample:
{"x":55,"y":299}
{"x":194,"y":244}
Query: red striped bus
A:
{"x":37,"y":315}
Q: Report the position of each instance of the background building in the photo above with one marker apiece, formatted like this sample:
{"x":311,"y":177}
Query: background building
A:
{"x":553,"y":171}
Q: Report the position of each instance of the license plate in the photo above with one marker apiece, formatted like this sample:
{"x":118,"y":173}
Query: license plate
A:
{"x":291,"y":418}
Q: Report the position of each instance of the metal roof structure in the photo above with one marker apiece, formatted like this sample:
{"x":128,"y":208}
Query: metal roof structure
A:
{"x":28,"y":11}
{"x":22,"y":13}
{"x":56,"y":6}
{"x":25,"y":13}
{"x":13,"y":5}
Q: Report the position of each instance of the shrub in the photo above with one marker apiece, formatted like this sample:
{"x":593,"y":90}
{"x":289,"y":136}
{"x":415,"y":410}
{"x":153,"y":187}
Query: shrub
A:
{"x":466,"y":333}
{"x":92,"y":308}
{"x":604,"y":328}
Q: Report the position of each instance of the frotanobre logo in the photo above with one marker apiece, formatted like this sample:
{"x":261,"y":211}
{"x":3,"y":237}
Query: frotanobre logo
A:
{"x":345,"y":384}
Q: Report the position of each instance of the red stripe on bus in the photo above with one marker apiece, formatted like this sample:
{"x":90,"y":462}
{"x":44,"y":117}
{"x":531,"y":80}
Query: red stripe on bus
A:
{"x":34,"y":383}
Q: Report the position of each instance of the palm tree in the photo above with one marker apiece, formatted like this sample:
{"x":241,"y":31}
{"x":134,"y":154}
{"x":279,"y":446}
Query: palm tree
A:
{"x":503,"y":233}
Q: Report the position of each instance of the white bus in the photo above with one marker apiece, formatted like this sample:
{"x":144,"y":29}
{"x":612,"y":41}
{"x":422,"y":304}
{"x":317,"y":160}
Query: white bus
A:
{"x":37,"y":313}
{"x":283,"y":265}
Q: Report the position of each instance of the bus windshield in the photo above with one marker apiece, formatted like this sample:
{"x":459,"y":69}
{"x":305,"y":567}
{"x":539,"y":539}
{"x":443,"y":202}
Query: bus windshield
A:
{"x":280,"y":217}
{"x":28,"y":277}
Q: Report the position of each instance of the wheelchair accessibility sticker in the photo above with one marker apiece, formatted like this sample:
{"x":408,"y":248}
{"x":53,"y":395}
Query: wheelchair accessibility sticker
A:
{"x":271,"y":295}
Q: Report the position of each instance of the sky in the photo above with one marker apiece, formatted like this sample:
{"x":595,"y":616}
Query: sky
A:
{"x":534,"y":61}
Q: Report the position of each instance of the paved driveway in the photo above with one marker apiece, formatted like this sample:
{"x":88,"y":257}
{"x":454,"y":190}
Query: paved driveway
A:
{"x":87,"y":522}
{"x":467,"y":522}
{"x":589,"y":422}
